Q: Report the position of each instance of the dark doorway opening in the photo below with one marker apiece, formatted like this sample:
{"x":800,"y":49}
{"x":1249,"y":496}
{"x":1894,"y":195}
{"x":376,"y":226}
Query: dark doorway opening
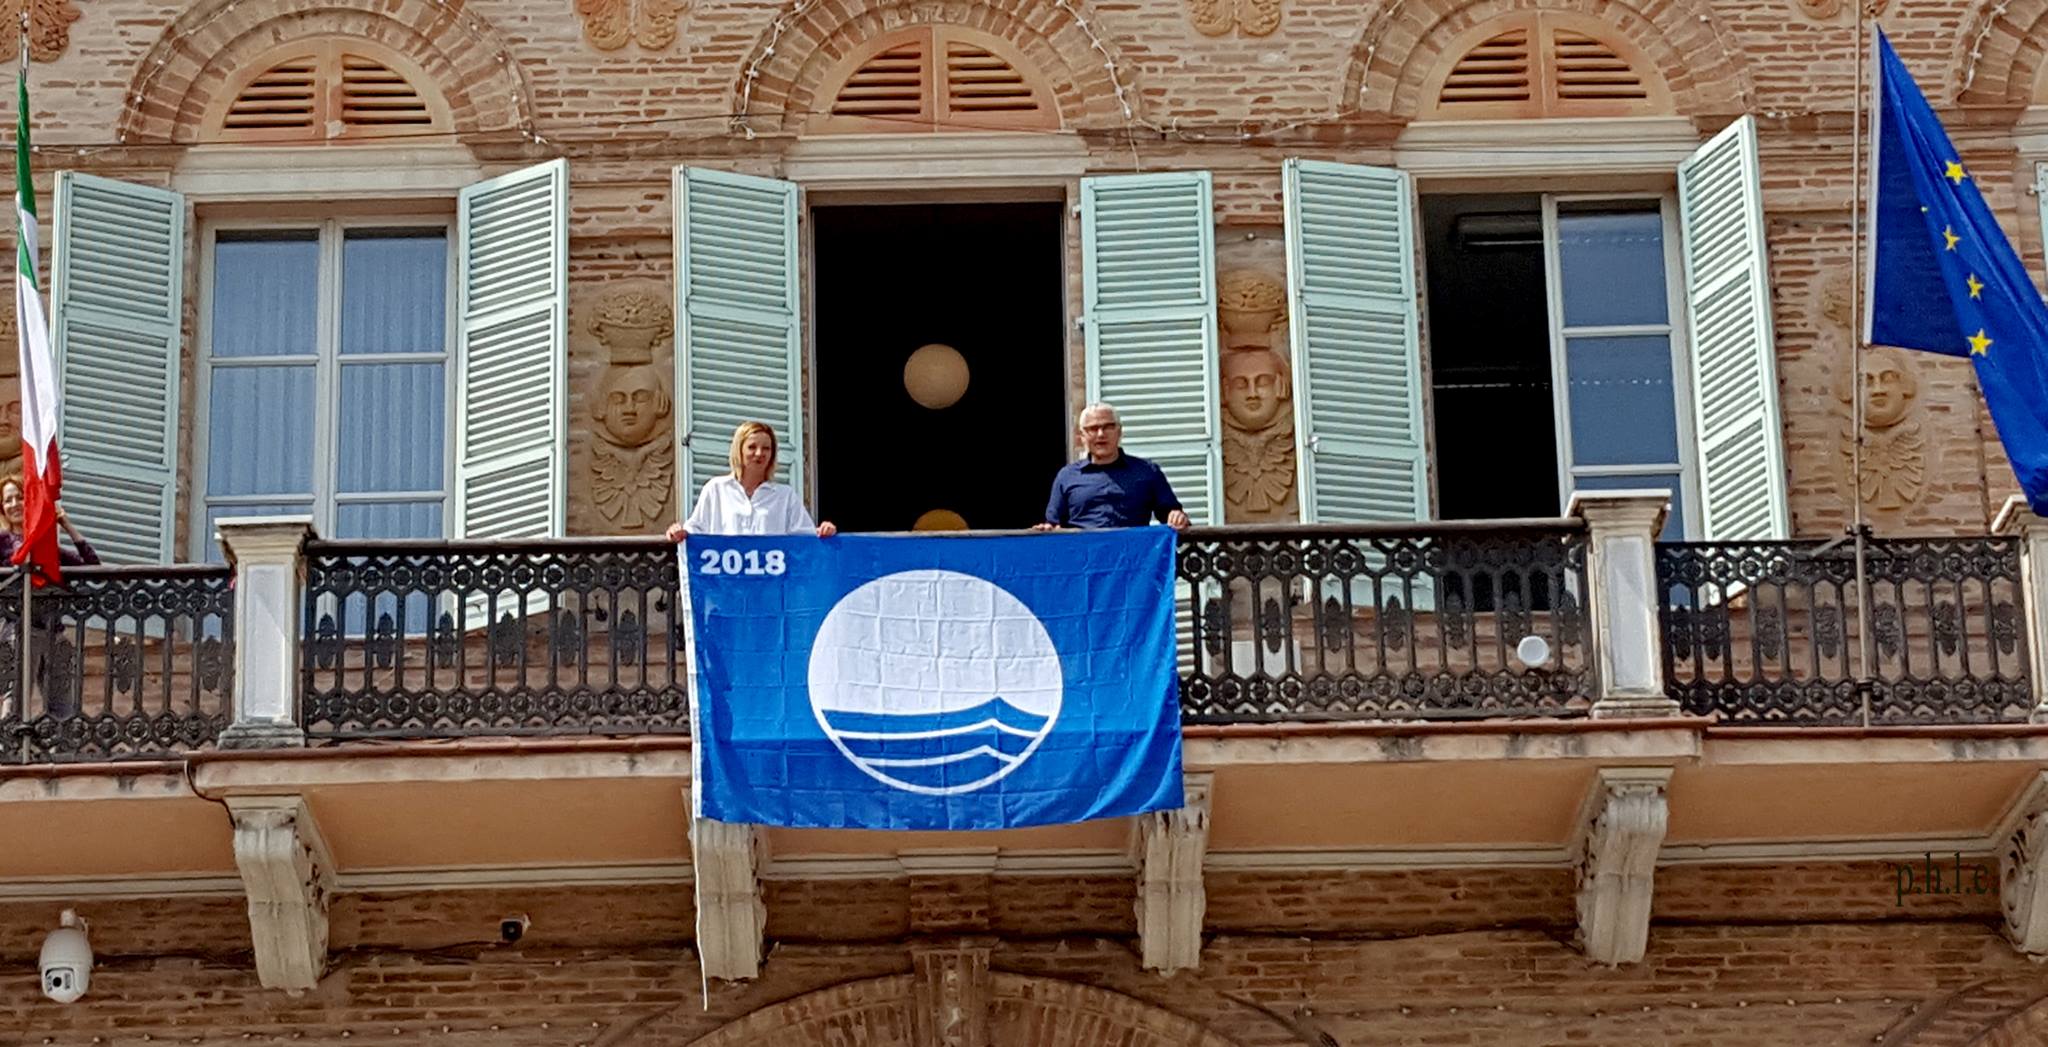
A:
{"x":982,"y":280}
{"x":1489,"y":356}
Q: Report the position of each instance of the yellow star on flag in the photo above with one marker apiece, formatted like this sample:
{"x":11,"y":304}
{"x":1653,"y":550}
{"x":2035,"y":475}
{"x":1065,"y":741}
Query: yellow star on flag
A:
{"x":1979,"y":344}
{"x":1948,"y":232}
{"x":1954,"y":173}
{"x":1976,"y":286}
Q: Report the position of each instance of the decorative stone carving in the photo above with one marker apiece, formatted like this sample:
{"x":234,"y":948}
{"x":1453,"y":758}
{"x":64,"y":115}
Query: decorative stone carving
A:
{"x":726,"y":861}
{"x":632,"y":464}
{"x":288,"y":876}
{"x":1829,"y":10}
{"x":50,"y":26}
{"x":1251,"y":17}
{"x":950,"y":992}
{"x":1617,"y":861}
{"x":1258,"y":392}
{"x":1171,"y":847}
{"x":609,"y":24}
{"x":1896,"y":451}
{"x":2022,"y":889}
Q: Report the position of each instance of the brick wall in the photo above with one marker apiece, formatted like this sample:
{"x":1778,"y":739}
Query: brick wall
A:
{"x":135,"y":76}
{"x":1789,"y":954}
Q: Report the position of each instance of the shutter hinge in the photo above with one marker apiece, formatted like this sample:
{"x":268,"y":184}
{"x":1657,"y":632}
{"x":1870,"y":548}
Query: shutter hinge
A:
{"x":1081,"y":322}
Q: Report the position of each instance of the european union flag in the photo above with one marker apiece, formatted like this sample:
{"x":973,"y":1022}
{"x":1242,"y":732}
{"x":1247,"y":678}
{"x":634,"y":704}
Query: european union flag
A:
{"x":1945,"y":279}
{"x":935,"y":683}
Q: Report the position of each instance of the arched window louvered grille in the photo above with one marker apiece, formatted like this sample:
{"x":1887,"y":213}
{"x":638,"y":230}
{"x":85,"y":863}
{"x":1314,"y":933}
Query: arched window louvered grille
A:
{"x":1545,"y":64}
{"x":936,"y":78}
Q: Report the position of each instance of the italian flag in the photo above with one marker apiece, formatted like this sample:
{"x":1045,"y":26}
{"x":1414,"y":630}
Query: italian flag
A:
{"x":41,"y":475}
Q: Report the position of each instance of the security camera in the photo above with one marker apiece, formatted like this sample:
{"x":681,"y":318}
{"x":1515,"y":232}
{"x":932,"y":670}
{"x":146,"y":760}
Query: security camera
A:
{"x":513,"y":928}
{"x":67,"y":960}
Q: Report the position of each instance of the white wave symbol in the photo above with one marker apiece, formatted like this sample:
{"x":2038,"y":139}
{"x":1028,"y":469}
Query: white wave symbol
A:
{"x":935,"y":750}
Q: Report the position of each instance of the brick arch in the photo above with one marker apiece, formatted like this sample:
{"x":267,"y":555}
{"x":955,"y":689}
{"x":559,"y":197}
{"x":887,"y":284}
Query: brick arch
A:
{"x":1023,"y":1011}
{"x":788,"y":71}
{"x":1995,"y":1012}
{"x":196,"y":60}
{"x":1998,"y":56}
{"x":1400,"y":48}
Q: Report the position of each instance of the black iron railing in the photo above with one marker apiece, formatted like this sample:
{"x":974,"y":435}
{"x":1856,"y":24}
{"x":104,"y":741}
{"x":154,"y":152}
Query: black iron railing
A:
{"x":1769,"y":632}
{"x":1410,"y":621}
{"x":122,"y":662}
{"x":437,"y":639}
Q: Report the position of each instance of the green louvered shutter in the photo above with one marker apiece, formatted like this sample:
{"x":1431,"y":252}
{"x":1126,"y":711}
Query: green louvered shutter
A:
{"x":512,"y":352}
{"x":117,"y":309}
{"x":1728,"y":319}
{"x":1149,"y":281}
{"x":739,"y":337}
{"x":1354,"y":329}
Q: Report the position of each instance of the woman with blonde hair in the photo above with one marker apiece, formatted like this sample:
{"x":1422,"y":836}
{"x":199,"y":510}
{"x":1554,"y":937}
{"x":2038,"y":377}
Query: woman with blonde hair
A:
{"x":748,"y":500}
{"x":10,"y":518}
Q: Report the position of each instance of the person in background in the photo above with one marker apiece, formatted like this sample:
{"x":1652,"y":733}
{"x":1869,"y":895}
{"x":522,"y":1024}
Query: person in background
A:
{"x":10,"y":517}
{"x":1106,"y":487}
{"x":46,"y":638}
{"x":748,"y":500}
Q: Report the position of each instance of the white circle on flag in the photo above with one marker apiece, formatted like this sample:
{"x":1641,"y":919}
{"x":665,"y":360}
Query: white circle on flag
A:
{"x":934,"y":682}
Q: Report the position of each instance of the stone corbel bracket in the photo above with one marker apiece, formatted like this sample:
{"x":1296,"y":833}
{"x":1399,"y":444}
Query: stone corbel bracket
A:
{"x":1170,"y":848}
{"x":1616,"y":857}
{"x":732,"y":917}
{"x":2022,"y":887}
{"x":288,"y":875}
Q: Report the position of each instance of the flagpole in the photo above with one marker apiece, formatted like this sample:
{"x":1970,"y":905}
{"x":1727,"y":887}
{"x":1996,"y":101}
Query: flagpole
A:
{"x":27,"y":634}
{"x":1865,"y":649}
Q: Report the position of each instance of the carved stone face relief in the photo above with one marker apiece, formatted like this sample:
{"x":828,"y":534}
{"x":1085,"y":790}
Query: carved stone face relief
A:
{"x":1257,"y":393}
{"x":1256,"y":387}
{"x":632,"y":463}
{"x":632,"y":404}
{"x":1897,"y":457}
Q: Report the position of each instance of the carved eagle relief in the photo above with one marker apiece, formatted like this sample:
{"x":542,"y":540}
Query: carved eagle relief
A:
{"x":631,"y":484}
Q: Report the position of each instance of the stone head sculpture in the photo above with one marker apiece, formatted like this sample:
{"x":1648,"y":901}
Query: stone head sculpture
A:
{"x":1256,"y":387}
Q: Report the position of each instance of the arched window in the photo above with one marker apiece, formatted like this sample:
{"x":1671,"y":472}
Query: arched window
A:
{"x":1544,"y":64}
{"x":936,"y":78}
{"x":320,"y":90}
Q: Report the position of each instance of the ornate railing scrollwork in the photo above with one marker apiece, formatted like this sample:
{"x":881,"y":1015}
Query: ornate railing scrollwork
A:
{"x":1767,"y":632}
{"x":452,"y":639}
{"x":124,"y":662}
{"x":1414,"y":621}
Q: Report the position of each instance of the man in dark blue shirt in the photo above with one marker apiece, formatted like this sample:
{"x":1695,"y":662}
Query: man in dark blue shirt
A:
{"x":1109,"y":488}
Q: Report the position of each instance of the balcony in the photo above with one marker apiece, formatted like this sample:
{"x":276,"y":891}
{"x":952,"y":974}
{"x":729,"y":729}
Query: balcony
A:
{"x":1508,"y":620}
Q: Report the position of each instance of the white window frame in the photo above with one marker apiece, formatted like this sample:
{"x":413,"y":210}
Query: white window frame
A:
{"x":1673,"y":329}
{"x":330,"y":230}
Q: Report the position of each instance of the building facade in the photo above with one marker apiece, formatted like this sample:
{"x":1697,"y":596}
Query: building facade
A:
{"x":1557,"y":721}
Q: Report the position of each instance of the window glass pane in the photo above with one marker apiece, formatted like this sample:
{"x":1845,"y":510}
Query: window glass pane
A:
{"x":1624,"y":409}
{"x":393,"y":420}
{"x":394,"y":290}
{"x":260,"y":431}
{"x":266,"y":293}
{"x":1610,"y":258}
{"x":1674,"y":524}
{"x":217,"y":513}
{"x":388,"y":520}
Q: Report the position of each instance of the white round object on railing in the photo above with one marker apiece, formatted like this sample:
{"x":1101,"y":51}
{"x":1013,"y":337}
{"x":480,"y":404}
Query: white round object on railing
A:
{"x":1533,"y":651}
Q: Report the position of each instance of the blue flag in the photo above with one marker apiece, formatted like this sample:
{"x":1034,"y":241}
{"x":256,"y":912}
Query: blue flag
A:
{"x":1945,"y":279}
{"x":935,"y":683}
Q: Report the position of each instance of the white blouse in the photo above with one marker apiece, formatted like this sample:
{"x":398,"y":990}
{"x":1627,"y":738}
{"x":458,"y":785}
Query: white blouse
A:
{"x":723,"y":507}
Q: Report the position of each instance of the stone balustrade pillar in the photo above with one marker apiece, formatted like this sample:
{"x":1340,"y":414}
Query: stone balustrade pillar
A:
{"x":1621,"y":570}
{"x":268,"y":556}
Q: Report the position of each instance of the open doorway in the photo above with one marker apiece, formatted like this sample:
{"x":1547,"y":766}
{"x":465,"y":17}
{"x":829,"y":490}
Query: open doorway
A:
{"x":940,"y":370}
